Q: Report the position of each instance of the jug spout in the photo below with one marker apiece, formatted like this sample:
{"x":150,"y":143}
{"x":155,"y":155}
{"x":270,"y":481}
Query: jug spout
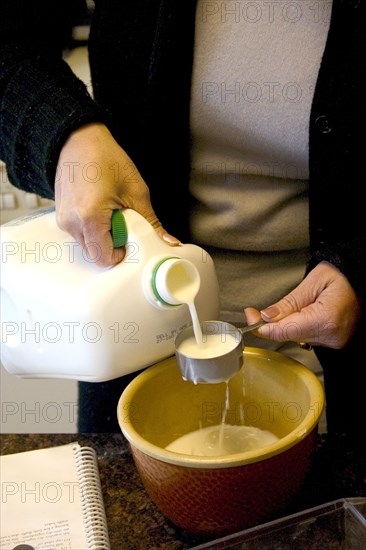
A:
{"x":171,"y":281}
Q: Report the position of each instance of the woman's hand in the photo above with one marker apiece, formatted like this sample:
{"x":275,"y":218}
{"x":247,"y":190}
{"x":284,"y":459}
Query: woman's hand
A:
{"x":95,"y":176}
{"x":323,"y":310}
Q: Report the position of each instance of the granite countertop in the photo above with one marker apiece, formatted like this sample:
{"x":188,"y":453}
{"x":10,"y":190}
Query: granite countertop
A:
{"x":134,"y":522}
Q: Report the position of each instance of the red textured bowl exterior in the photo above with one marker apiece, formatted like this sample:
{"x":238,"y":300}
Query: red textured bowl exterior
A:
{"x":224,"y":500}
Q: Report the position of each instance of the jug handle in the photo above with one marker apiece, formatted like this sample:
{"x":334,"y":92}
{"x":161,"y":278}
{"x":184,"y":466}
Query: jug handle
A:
{"x":118,"y":229}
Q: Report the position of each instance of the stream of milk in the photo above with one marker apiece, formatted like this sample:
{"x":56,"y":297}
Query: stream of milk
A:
{"x":221,"y":439}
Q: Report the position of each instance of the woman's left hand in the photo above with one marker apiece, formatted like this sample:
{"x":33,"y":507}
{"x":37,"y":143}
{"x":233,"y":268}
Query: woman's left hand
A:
{"x":323,"y":310}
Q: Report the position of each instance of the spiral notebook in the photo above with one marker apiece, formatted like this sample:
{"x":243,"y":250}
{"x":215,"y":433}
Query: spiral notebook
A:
{"x":52,"y":499}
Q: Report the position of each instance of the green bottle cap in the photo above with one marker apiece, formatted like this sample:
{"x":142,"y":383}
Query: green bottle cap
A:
{"x":118,"y":229}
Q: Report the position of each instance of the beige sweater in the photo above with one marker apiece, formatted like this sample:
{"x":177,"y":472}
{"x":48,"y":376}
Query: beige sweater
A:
{"x":255,"y":69}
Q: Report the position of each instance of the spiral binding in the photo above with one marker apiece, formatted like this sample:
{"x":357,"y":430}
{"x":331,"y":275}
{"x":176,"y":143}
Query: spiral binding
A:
{"x":91,"y":498}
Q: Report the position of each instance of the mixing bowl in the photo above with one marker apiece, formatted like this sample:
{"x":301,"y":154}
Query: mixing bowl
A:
{"x":223,"y":494}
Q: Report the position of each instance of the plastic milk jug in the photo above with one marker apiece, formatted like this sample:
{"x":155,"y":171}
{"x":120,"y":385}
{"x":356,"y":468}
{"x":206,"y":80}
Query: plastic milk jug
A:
{"x":65,"y":317}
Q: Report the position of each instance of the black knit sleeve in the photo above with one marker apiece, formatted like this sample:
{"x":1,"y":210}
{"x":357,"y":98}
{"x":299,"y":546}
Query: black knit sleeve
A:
{"x":41,"y":99}
{"x":350,"y":258}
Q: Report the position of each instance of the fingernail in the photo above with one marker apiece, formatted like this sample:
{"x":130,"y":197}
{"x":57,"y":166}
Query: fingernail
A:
{"x":170,"y":239}
{"x":270,"y":312}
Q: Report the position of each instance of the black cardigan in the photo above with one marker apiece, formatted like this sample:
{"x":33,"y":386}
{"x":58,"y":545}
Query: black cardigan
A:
{"x":141,"y":54}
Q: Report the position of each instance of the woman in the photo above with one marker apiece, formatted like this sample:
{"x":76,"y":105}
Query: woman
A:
{"x":176,"y":120}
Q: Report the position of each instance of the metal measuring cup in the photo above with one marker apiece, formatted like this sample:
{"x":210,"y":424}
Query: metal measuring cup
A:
{"x":219,"y":368}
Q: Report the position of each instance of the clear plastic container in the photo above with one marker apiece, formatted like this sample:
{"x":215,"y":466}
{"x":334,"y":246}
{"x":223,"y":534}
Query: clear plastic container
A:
{"x":336,"y":525}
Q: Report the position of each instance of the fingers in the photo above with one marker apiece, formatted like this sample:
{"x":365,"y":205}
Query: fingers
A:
{"x":292,"y":303}
{"x":163,"y":234}
{"x":92,"y":232}
{"x":304,"y":326}
{"x":99,"y":249}
{"x":252,"y":315}
{"x":84,"y":206}
{"x":306,"y":293}
{"x":146,"y":210}
{"x":323,"y":310}
{"x":93,"y":235}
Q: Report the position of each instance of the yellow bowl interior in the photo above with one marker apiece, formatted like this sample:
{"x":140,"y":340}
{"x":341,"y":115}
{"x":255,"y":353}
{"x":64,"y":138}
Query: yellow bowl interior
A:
{"x":272,"y":392}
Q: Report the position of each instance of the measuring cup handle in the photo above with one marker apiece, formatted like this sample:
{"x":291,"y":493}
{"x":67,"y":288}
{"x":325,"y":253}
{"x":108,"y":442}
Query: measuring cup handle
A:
{"x":254,"y":326}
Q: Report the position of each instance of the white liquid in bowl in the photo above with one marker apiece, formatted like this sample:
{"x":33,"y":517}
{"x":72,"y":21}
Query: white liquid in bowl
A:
{"x":223,"y":439}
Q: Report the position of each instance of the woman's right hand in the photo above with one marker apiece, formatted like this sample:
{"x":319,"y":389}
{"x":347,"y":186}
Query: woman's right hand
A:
{"x":94,"y":177}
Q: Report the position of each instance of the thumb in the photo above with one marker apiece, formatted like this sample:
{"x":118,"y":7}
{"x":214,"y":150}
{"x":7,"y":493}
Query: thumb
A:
{"x":293,"y":302}
{"x":163,"y":233}
{"x":305,"y":294}
{"x":276,"y":311}
{"x":147,"y":211}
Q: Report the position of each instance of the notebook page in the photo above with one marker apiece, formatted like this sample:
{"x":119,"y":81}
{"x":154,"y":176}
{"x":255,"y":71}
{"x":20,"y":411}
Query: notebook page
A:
{"x":40,"y":500}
